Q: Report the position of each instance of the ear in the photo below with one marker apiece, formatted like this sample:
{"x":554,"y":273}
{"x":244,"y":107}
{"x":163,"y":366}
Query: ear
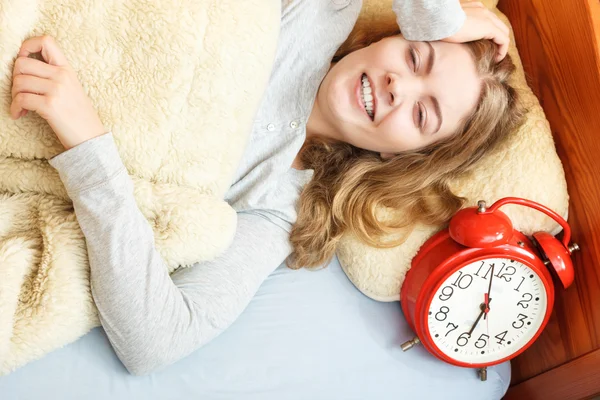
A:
{"x":386,"y":156}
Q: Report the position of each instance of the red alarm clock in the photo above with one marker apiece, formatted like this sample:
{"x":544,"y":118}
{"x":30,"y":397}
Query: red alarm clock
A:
{"x":480,"y":292}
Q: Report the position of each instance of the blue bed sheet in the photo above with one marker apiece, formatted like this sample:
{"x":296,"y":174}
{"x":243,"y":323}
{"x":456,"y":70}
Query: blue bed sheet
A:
{"x":306,"y":335}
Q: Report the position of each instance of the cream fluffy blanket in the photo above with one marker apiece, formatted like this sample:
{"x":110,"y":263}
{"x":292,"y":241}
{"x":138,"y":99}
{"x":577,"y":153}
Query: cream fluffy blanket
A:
{"x":178,"y":82}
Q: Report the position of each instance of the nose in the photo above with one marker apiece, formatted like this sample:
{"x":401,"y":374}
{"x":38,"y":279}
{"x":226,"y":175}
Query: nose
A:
{"x":402,"y":88}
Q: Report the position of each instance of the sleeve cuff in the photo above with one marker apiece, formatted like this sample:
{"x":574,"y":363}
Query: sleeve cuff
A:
{"x":88,"y":164}
{"x":427,"y":20}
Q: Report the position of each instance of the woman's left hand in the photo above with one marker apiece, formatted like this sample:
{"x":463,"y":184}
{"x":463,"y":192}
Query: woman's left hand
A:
{"x":51,"y":88}
{"x":481,"y":23}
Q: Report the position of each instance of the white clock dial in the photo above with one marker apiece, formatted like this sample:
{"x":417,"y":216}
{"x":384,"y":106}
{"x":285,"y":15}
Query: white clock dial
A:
{"x":516,"y":311}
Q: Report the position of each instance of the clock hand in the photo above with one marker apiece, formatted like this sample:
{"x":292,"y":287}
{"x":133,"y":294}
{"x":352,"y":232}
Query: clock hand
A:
{"x":483,"y":307}
{"x":487,"y":328}
{"x":487,"y":298}
{"x":477,"y":320}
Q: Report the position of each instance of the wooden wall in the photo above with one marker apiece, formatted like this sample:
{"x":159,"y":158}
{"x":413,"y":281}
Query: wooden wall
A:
{"x":559,"y":43}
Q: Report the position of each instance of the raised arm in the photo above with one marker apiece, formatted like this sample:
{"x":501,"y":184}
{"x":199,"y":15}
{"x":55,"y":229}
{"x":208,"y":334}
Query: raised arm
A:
{"x":451,"y":21}
{"x":428,"y":20}
{"x":153,"y":319}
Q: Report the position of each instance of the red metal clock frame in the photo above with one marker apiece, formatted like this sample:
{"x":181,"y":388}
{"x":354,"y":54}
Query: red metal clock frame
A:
{"x":439,"y":258}
{"x":475,"y":234}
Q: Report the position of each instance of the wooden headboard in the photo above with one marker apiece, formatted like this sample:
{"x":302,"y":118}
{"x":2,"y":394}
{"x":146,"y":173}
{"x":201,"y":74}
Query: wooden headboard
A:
{"x":559,"y":42}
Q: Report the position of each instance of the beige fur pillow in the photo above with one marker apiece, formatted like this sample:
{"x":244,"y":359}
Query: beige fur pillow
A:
{"x":527,"y":166}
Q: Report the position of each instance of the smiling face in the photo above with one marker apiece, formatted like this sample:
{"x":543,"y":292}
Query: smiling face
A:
{"x":396,"y":95}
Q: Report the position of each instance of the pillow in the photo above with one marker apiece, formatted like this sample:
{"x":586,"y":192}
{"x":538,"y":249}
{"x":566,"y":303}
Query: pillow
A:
{"x":526,"y":166}
{"x":179,"y":84}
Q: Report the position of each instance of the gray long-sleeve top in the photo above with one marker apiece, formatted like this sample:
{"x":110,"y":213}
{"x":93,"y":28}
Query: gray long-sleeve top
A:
{"x":153,"y":319}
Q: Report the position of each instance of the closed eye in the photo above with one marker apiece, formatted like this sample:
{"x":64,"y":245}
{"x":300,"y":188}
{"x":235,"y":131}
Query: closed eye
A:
{"x":420,"y":116}
{"x":414,"y":59}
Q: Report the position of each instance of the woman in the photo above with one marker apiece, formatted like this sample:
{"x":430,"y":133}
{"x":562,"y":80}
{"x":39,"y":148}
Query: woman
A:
{"x":420,"y":94}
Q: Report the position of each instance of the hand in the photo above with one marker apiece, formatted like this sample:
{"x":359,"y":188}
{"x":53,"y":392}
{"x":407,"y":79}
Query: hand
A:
{"x":51,"y":88}
{"x":483,"y":307}
{"x":482,"y":23}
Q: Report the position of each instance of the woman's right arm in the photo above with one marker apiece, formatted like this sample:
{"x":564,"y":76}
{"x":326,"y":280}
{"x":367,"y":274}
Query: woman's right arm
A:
{"x":153,"y":319}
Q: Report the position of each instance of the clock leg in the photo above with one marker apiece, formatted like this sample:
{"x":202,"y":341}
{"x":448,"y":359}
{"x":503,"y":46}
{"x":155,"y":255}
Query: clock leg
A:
{"x":408,"y":345}
{"x":482,"y":372}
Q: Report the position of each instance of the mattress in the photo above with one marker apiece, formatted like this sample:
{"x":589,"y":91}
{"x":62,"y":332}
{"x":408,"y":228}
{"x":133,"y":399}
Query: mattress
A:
{"x":305,"y":335}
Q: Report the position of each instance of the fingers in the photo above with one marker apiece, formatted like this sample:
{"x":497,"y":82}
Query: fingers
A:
{"x":25,"y":102}
{"x":48,"y":48}
{"x":502,"y":43}
{"x":30,"y":66}
{"x":499,"y":23}
{"x":499,"y":33}
{"x":31,"y":84}
{"x":501,"y":37}
{"x":32,"y":78}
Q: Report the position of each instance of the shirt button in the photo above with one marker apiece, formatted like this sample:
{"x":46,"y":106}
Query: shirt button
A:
{"x":294,"y":124}
{"x":271,"y":127}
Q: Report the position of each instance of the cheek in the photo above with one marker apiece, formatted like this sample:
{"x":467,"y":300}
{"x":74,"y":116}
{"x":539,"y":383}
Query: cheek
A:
{"x":329,"y":96}
{"x":399,"y":133}
{"x":340,"y":94}
{"x":399,"y":123}
{"x":389,"y":53}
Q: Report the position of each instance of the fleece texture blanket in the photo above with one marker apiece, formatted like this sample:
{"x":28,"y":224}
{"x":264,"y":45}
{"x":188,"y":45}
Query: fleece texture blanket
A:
{"x":178,"y":82}
{"x":526,"y":166}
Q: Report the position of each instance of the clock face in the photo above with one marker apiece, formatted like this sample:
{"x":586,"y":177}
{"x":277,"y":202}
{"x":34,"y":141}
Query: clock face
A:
{"x":516,"y":311}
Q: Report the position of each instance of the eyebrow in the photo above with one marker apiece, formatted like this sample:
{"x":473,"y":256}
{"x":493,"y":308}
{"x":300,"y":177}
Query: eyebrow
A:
{"x":431,"y":58}
{"x":436,"y":104}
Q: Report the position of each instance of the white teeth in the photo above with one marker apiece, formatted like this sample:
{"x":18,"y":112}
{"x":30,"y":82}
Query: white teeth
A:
{"x":367,"y":95}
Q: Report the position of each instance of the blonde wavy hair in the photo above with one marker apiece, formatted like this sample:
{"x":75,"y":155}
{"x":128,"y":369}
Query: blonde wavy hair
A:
{"x":350,"y":184}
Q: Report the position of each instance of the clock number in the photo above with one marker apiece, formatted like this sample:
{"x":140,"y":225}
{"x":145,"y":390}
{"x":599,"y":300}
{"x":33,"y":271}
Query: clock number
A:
{"x":499,"y":272}
{"x":506,"y":274}
{"x":523,"y":303}
{"x":464,"y":338}
{"x":522,"y":280}
{"x":442,"y":312}
{"x":463,"y":281}
{"x":501,"y":337}
{"x":482,"y":341}
{"x":447,"y":295}
{"x":487,"y":272}
{"x":521,"y":321}
{"x":454,"y":327}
